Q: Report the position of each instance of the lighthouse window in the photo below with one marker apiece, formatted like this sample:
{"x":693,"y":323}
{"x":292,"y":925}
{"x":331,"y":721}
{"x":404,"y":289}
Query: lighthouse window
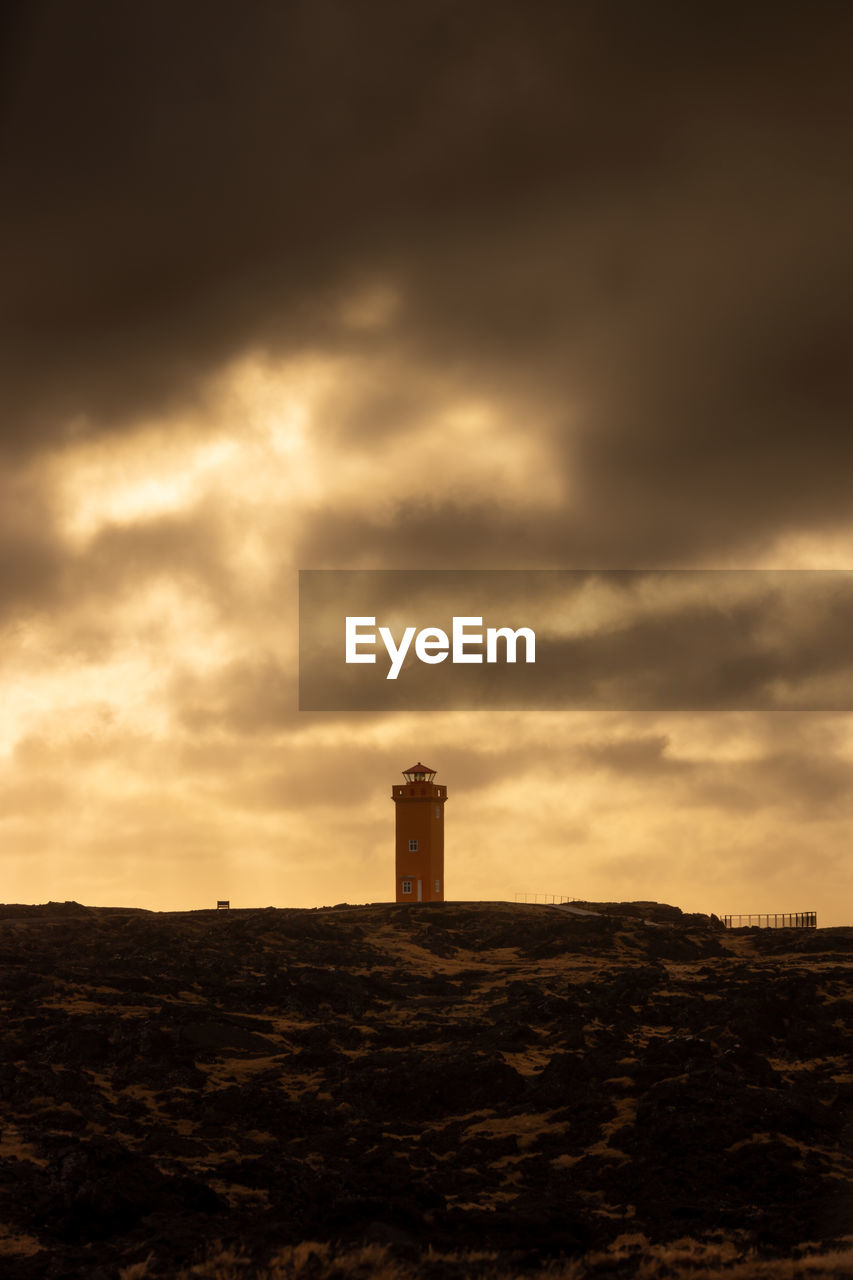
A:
{"x":437,"y":885}
{"x":407,"y":886}
{"x":438,"y":810}
{"x":413,"y":846}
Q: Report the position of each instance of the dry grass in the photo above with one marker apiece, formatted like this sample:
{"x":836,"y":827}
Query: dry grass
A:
{"x":14,"y":1244}
{"x":630,"y":1255}
{"x":525,"y":1128}
{"x":136,"y":1271}
{"x":13,"y":1146}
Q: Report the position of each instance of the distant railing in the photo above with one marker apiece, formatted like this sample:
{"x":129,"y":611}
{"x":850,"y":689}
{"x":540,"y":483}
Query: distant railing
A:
{"x":544,"y":897}
{"x":769,"y":920}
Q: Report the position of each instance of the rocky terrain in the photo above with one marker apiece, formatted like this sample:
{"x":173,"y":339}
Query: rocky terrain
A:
{"x":453,"y":1089}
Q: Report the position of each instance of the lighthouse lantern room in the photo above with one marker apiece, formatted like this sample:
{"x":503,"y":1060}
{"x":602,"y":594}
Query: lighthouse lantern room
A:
{"x":419,"y":860}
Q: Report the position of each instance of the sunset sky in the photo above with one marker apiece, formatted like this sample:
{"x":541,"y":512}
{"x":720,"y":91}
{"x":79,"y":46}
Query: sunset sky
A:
{"x":307,"y":285}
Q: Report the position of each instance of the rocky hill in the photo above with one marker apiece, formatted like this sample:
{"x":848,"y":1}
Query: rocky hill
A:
{"x":488,"y":1087}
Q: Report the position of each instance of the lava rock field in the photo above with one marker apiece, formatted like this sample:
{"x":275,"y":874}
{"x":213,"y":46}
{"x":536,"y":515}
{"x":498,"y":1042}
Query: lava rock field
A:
{"x":453,"y":1076}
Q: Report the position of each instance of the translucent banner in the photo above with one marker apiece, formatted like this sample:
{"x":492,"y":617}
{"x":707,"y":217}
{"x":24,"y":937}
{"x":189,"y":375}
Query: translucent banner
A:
{"x":701,"y":639}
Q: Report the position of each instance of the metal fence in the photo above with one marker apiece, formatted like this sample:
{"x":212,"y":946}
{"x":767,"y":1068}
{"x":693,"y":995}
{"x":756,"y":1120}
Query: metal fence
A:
{"x":544,"y":897}
{"x":772,"y":920}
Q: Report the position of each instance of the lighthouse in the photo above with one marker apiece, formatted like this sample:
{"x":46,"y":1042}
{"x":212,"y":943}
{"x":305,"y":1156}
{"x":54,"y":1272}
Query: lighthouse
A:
{"x":419,"y":861}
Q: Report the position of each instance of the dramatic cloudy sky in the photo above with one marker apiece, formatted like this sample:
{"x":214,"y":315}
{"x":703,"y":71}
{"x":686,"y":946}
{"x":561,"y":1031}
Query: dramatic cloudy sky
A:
{"x":439,"y":284}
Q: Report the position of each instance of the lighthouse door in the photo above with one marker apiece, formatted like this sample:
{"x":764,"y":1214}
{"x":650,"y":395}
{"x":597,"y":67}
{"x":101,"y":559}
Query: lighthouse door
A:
{"x":420,"y":891}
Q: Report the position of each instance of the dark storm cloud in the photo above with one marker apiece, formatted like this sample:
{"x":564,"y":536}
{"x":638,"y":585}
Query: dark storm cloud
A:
{"x":186,"y":180}
{"x":639,"y":756}
{"x":256,"y":697}
{"x":187,"y":549}
{"x":330,"y":775}
{"x":629,"y":221}
{"x":812,"y":782}
{"x":40,"y":573}
{"x":31,"y":551}
{"x":814,"y":786}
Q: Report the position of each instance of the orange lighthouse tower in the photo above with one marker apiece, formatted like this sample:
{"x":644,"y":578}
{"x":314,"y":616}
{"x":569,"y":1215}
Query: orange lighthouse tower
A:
{"x":419,"y":863}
